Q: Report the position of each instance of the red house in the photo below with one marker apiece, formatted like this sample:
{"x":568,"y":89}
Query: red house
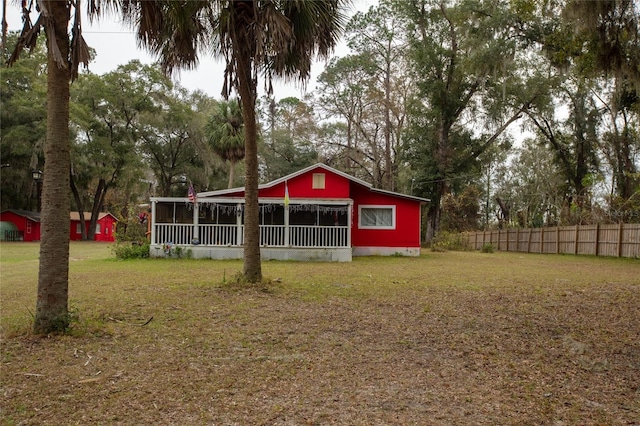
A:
{"x":28,"y":224}
{"x":105,"y":227}
{"x":318,"y":213}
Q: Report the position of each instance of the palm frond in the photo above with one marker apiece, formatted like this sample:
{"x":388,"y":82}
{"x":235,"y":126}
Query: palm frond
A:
{"x":28,"y":36}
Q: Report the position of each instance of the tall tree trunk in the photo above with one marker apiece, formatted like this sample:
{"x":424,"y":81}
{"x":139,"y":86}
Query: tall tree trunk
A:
{"x":80,"y":207}
{"x":5,"y":26}
{"x":434,"y":213}
{"x":96,"y":208}
{"x":53,"y":276}
{"x":388,"y":162}
{"x":232,"y":173}
{"x":247,"y":90}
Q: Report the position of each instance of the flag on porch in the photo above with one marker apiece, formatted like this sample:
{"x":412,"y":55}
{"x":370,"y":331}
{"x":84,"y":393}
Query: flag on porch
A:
{"x":286,"y":194}
{"x":192,"y":194}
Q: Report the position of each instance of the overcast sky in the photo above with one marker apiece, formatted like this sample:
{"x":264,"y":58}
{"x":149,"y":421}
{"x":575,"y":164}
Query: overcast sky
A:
{"x":115,"y":45}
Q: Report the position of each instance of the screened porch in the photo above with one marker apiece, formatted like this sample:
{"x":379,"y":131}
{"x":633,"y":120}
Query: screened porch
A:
{"x":220,"y":223}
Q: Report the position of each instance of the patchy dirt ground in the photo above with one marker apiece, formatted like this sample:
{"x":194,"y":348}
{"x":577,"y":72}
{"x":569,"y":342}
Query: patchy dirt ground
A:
{"x":446,"y":339}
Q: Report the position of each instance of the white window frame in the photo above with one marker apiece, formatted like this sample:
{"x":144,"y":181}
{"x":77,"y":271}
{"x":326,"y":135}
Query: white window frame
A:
{"x":376,"y":206}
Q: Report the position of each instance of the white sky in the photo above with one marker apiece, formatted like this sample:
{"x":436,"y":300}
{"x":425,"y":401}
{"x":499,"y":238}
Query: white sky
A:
{"x":115,"y":45}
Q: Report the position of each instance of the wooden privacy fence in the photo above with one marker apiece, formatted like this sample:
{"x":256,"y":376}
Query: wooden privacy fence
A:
{"x":619,"y":240}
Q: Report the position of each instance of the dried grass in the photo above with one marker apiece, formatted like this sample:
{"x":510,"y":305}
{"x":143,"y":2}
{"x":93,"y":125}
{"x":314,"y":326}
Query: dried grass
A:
{"x":446,"y":338}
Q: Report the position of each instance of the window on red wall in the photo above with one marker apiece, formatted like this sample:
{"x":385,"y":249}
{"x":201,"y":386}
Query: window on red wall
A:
{"x":28,"y":227}
{"x":377,"y":217}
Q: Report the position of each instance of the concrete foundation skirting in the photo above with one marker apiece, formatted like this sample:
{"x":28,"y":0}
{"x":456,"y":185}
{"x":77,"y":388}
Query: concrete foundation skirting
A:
{"x":386,"y":251}
{"x":338,"y":254}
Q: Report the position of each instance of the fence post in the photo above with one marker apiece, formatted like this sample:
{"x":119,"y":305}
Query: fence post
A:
{"x":542,"y":240}
{"x":575,"y":246}
{"x":620,"y":239}
{"x":529,"y":241}
{"x":507,"y":239}
{"x":498,"y":240}
{"x":557,"y":239}
{"x":517,"y":239}
{"x":597,"y":237}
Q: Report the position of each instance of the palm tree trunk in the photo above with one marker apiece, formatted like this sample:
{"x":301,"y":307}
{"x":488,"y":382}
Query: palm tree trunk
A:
{"x":53,"y":276}
{"x":5,"y":26}
{"x":252,"y":266}
{"x":232,"y":173}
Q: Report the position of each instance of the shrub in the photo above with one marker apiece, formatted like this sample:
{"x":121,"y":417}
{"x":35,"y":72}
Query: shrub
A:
{"x":445,"y":241}
{"x":135,"y":250}
{"x":131,"y":229}
{"x":487,"y":248}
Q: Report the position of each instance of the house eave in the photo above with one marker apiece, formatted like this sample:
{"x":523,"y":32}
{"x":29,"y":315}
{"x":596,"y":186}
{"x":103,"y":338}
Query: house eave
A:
{"x":397,"y":194}
{"x":283,"y":179}
{"x":261,"y":200}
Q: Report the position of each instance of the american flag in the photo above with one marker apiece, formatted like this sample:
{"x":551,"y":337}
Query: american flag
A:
{"x":192,"y":194}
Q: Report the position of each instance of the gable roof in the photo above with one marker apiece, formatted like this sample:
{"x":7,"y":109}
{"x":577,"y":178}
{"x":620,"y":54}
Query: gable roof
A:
{"x":306,"y":170}
{"x":32,"y":216}
{"x":87,"y":216}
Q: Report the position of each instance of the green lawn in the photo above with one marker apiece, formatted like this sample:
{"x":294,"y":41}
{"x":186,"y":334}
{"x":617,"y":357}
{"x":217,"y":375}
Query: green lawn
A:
{"x":446,"y":338}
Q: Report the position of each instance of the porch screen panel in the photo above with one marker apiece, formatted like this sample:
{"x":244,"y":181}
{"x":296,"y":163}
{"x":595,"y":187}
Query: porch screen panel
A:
{"x":164,"y":212}
{"x":184,"y":213}
{"x":218,"y":213}
{"x":218,"y":224}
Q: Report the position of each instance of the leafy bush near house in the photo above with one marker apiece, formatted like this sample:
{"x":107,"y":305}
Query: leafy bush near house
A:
{"x":446,"y":241}
{"x":135,"y":250}
{"x":131,"y":229}
{"x":487,"y":248}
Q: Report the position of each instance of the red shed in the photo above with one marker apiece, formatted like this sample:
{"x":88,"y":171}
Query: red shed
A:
{"x":28,"y":224}
{"x":317,"y":213}
{"x":105,"y":227}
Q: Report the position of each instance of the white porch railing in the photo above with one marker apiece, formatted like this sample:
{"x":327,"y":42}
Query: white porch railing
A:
{"x":219,"y":235}
{"x":270,"y":235}
{"x":176,"y":233}
{"x":318,"y":236}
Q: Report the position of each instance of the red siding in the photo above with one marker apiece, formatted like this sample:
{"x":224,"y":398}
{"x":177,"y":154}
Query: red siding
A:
{"x":406,"y":232}
{"x":107,"y":229}
{"x":301,"y":186}
{"x":74,"y":235}
{"x":407,"y":220}
{"x":30,"y":229}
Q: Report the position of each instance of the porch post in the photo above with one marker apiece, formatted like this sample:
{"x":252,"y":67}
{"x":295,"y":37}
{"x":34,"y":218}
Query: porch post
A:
{"x":349,"y":224}
{"x":286,"y":226}
{"x":196,"y":225}
{"x":239,"y":238}
{"x":153,"y":222}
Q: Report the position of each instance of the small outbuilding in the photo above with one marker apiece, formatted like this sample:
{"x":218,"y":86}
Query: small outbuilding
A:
{"x":26,"y":224}
{"x":317,"y":213}
{"x":105,"y":227}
